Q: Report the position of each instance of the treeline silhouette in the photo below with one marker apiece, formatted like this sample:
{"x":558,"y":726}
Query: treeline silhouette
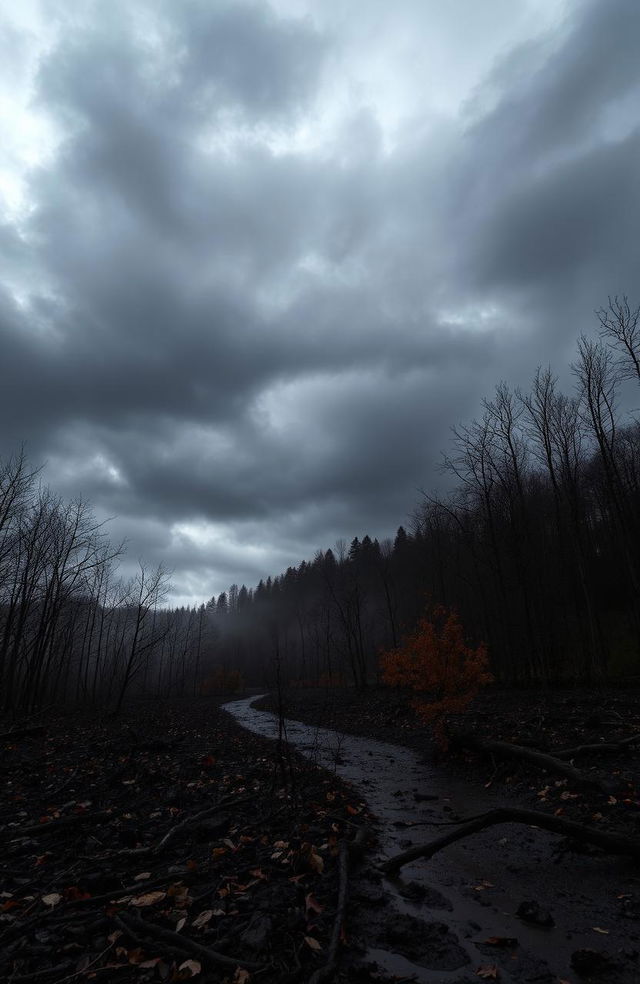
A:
{"x":536,"y":546}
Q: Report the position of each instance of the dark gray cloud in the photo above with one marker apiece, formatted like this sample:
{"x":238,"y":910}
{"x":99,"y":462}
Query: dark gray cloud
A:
{"x":252,"y":272}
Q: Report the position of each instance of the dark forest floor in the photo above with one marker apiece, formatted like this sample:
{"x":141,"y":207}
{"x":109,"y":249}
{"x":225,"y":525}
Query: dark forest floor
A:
{"x":87,"y":890}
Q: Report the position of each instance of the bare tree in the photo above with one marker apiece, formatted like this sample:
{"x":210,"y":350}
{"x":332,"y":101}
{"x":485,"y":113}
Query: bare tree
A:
{"x":621,"y":328}
{"x":144,"y":593}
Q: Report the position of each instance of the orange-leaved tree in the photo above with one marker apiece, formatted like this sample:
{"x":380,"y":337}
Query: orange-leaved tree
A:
{"x":436,"y":662}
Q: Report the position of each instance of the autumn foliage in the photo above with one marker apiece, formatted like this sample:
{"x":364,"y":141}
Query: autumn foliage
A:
{"x":436,"y":662}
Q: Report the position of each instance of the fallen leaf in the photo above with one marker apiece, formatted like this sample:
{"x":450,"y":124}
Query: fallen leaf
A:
{"x":193,"y":966}
{"x":599,"y":929}
{"x":180,"y":924}
{"x":312,"y":905}
{"x":315,"y":861}
{"x":488,"y":973}
{"x":149,"y":899}
{"x":313,"y":943}
{"x":179,"y":893}
{"x":202,"y":919}
{"x":241,"y":976}
{"x":142,"y":876}
{"x":74,"y":894}
{"x":52,"y":899}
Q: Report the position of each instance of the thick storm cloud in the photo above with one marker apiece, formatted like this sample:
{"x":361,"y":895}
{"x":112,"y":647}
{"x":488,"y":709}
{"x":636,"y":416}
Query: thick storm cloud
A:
{"x":258,"y":257}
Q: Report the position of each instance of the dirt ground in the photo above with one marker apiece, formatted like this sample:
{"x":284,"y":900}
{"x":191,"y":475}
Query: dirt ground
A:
{"x":165,"y":845}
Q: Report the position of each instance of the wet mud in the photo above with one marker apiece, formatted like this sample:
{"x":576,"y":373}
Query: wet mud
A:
{"x":455,"y":917}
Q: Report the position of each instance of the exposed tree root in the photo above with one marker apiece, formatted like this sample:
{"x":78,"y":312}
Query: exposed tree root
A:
{"x":610,"y":843}
{"x":542,"y":759}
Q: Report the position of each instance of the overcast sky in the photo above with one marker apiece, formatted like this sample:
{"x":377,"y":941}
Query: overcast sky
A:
{"x":258,"y":257}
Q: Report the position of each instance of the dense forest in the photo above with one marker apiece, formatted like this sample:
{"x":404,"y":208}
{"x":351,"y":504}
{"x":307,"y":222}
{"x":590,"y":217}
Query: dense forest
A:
{"x":536,"y":545}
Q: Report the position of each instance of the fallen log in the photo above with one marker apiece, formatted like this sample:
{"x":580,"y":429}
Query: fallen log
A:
{"x":542,"y":759}
{"x":603,"y":746}
{"x":610,"y":843}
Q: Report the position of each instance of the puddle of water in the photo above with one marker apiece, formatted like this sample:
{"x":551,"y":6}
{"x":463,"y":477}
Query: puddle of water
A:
{"x":483,"y":879}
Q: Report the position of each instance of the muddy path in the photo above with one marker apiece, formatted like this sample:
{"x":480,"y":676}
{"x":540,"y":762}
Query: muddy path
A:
{"x":433,"y":922}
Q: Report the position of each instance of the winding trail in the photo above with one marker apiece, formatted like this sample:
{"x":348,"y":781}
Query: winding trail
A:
{"x":475,"y":886}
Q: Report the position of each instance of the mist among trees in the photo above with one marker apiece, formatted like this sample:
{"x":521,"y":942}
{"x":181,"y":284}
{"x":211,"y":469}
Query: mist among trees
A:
{"x":535,"y":546}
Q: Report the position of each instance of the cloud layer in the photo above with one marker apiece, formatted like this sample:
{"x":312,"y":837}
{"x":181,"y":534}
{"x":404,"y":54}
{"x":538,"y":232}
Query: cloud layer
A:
{"x":257,"y":258}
